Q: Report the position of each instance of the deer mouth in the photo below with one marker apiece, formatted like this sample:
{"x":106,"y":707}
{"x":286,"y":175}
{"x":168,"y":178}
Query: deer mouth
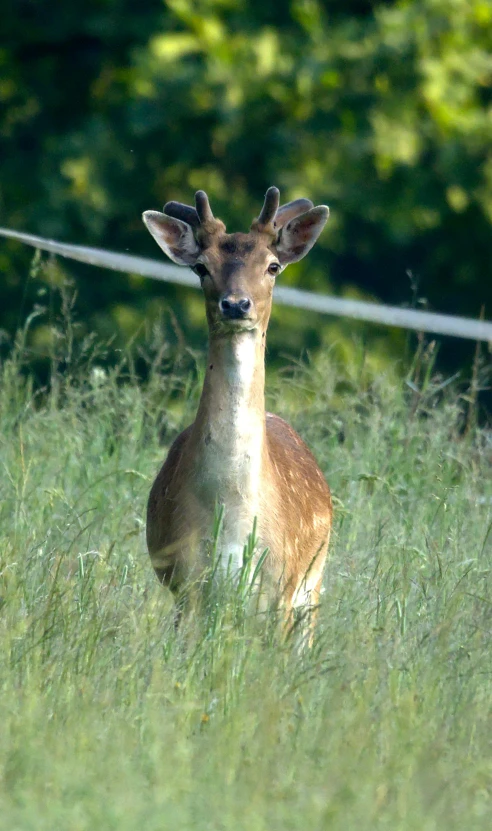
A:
{"x":231,"y":326}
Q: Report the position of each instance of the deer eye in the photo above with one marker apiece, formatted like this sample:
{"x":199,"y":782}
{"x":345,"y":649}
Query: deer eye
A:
{"x":201,"y":270}
{"x":273,"y":269}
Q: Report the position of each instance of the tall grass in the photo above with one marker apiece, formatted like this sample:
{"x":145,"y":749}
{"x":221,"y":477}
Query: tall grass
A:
{"x":111,"y":720}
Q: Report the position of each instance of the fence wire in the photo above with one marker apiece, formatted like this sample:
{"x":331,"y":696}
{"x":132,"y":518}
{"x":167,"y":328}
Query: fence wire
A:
{"x":421,"y":321}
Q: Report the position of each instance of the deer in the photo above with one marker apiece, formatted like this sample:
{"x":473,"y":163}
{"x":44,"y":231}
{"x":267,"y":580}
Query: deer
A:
{"x":235,"y":454}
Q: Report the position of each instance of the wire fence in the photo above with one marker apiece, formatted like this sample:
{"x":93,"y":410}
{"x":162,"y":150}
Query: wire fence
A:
{"x":421,"y":321}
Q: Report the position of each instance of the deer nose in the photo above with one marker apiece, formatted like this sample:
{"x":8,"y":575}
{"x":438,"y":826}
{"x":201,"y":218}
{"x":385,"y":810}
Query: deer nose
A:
{"x":234,"y":309}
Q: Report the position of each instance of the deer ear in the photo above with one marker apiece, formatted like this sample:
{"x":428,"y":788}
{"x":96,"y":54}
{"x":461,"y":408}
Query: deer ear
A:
{"x":174,"y":236}
{"x":298,"y":236}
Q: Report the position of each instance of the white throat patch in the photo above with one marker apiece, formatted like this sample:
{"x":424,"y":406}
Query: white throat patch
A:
{"x":232,"y":459}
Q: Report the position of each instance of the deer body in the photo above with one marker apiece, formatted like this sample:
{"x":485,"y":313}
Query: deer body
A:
{"x":234,"y":454}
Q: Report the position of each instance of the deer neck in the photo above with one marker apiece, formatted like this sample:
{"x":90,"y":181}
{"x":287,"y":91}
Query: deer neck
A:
{"x":231,"y":414}
{"x":229,"y":437}
{"x":228,"y":440}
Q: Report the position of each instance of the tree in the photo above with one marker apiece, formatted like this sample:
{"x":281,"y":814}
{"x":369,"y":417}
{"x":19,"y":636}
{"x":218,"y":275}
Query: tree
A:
{"x":381,"y":109}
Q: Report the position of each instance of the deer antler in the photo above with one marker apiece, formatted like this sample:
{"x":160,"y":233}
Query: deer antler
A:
{"x":272,"y":218}
{"x":200,"y":218}
{"x":264,"y":224}
{"x":203,"y":208}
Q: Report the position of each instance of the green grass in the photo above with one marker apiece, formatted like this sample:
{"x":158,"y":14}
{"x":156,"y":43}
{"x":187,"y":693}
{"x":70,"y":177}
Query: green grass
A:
{"x":108,"y":720}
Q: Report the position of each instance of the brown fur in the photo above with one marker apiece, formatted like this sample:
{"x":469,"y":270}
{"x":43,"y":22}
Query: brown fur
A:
{"x":234,"y":453}
{"x":294,"y":522}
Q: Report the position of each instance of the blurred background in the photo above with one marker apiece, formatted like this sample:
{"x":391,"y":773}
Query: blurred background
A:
{"x":382,"y":110}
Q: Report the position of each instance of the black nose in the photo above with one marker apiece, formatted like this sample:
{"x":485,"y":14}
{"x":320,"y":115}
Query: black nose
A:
{"x":234,"y":309}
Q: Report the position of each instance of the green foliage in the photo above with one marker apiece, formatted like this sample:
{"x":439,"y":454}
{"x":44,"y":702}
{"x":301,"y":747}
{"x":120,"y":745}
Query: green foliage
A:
{"x":383,"y":110}
{"x":108,"y":719}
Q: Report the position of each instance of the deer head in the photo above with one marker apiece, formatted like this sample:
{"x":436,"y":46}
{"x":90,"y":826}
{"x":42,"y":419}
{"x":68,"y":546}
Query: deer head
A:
{"x":237,"y":271}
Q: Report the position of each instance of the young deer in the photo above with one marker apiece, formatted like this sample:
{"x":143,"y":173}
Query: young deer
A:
{"x":234,"y":453}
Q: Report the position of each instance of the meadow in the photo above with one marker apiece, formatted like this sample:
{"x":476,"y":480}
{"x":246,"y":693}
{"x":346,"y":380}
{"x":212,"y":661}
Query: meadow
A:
{"x":111,"y":720}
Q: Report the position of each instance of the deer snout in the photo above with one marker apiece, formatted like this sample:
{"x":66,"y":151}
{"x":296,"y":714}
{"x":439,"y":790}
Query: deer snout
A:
{"x":233,"y":308}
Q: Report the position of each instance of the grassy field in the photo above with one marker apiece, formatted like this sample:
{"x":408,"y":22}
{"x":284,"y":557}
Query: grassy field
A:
{"x":108,"y":720}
